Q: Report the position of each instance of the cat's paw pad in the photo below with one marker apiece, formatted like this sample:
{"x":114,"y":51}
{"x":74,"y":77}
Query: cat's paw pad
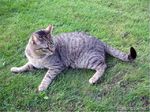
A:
{"x":14,"y":70}
{"x":92,"y":80}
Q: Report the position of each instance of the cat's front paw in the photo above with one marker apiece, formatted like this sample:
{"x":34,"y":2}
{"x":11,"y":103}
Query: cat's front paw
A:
{"x":14,"y":70}
{"x":41,"y":88}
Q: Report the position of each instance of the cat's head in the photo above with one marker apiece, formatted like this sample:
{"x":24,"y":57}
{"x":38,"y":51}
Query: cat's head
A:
{"x":41,"y":42}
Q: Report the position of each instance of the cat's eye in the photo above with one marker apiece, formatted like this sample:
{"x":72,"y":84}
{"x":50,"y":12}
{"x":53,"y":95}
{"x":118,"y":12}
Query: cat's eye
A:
{"x":43,"y":49}
{"x":51,"y":43}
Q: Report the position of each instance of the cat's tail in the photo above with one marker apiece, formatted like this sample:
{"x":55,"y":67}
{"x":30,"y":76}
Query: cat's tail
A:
{"x":121,"y":55}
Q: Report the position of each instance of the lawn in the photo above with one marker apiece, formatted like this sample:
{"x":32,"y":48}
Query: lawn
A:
{"x":120,"y":23}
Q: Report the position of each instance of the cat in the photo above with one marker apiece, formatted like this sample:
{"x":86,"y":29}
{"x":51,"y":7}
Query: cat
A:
{"x":74,"y":49}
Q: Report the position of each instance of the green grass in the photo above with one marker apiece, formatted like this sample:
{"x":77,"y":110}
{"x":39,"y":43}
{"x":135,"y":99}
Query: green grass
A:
{"x":124,"y":86}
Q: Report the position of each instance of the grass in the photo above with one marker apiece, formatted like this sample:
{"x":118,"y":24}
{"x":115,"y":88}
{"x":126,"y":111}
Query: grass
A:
{"x":120,"y":23}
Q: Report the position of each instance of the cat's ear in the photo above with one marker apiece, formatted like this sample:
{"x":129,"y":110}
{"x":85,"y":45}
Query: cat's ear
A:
{"x":35,"y":40}
{"x":49,"y":29}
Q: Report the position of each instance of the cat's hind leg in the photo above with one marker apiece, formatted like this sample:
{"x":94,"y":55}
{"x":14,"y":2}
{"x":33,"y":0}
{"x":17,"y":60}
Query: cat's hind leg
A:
{"x":99,"y":72}
{"x":26,"y":67}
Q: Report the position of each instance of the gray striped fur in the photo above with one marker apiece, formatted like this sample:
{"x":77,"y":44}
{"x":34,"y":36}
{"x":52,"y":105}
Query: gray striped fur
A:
{"x":75,"y":50}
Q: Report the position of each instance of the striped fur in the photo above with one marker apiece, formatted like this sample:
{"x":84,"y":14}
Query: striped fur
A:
{"x":75,"y":49}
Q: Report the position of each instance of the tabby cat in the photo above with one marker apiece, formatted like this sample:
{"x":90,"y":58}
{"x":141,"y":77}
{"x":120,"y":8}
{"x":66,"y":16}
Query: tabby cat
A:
{"x":75,"y":50}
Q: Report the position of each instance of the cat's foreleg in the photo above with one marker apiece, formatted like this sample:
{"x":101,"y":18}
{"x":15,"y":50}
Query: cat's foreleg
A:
{"x":99,"y":72}
{"x":48,"y":78}
{"x":26,"y":67}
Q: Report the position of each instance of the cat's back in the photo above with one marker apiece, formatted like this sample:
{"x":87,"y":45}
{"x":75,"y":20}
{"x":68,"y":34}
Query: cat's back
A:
{"x":77,"y":39}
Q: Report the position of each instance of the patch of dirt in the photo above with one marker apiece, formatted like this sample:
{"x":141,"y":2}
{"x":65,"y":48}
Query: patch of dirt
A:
{"x":145,"y":101}
{"x":143,"y":108}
